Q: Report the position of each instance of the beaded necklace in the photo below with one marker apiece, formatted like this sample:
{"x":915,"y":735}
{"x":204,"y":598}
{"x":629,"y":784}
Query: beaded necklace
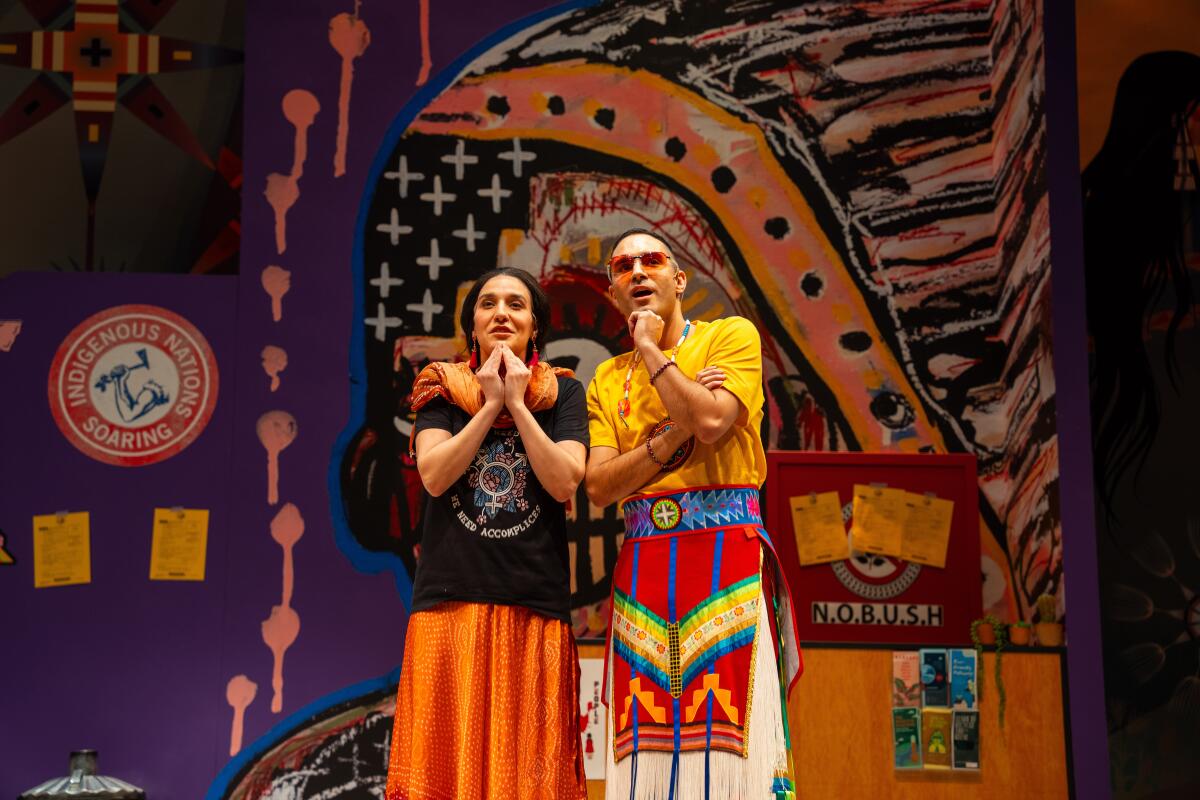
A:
{"x":623,"y":403}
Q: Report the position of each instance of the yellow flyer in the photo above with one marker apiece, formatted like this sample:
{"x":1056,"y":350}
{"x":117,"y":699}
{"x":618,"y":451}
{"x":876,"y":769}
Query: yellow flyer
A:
{"x":820,"y":532}
{"x":926,"y":529}
{"x":878,"y":519}
{"x":62,"y":554}
{"x":180,"y":543}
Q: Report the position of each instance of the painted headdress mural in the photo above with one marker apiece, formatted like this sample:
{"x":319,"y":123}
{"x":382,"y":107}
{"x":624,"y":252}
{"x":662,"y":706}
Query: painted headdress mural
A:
{"x":852,"y":180}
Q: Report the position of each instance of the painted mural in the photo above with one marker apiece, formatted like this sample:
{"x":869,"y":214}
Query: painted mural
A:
{"x":1140,"y":136}
{"x":94,"y":58}
{"x":862,"y":182}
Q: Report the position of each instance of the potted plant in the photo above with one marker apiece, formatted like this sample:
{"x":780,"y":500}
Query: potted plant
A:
{"x":990,"y":627}
{"x":1049,"y":629}
{"x":1019,"y":633}
{"x":983,"y":630}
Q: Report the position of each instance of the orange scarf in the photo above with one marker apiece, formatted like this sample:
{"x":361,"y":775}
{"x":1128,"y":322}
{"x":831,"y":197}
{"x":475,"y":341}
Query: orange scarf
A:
{"x":457,"y":383}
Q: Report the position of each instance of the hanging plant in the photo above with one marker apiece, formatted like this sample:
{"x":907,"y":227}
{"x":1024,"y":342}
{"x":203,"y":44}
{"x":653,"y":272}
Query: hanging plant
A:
{"x":1000,"y":632}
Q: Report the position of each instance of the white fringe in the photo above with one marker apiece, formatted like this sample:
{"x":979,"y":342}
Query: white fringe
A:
{"x":730,"y":776}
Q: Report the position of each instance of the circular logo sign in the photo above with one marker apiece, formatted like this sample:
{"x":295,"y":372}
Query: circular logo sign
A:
{"x":133,"y":385}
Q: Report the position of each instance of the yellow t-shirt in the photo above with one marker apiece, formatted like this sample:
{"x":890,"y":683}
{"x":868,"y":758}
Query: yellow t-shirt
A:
{"x":733,"y":344}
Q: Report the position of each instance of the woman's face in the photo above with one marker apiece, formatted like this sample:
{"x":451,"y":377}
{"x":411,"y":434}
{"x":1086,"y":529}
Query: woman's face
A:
{"x":503,"y":313}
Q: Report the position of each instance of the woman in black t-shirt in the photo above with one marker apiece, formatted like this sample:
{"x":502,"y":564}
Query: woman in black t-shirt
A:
{"x":488,"y":699}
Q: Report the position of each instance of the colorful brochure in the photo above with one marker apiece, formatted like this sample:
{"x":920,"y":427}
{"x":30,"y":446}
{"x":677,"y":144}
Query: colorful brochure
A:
{"x":935,"y":738}
{"x":963,"y":678}
{"x":936,"y":691}
{"x":906,"y":738}
{"x":906,"y":679}
{"x":966,"y":740}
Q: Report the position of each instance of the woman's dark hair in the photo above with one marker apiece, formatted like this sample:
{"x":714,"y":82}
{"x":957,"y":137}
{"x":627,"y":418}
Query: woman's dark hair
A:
{"x":539,"y":304}
{"x":1133,"y":228}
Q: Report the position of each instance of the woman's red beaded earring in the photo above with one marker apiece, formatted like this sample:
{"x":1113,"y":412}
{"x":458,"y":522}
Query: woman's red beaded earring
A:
{"x":474,"y":352}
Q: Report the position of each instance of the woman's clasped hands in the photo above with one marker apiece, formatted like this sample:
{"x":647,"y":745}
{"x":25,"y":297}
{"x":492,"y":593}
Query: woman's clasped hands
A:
{"x":503,"y":378}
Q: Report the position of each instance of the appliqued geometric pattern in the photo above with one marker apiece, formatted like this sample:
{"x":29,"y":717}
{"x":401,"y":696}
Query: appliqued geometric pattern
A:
{"x":697,"y":510}
{"x":719,"y":625}
{"x":640,"y":637}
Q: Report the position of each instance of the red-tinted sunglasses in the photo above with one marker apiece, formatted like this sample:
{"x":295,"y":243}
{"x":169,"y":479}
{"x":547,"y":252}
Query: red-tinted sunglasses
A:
{"x":622,"y":266}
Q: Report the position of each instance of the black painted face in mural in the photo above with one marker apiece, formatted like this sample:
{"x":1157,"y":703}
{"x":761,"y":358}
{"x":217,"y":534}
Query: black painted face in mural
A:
{"x":503,"y":314}
{"x":645,"y":284}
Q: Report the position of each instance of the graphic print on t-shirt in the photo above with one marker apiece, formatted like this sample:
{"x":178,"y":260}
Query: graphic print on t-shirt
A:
{"x":498,"y":477}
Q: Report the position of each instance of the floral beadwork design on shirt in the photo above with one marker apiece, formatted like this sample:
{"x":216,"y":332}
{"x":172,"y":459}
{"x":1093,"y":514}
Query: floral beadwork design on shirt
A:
{"x":499,"y":475}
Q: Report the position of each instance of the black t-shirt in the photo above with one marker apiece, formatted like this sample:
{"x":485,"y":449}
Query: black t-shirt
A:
{"x":496,"y":536}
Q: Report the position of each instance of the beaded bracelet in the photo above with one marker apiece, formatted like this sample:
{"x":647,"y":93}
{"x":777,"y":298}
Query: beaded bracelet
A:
{"x":661,"y":370}
{"x":650,"y":450}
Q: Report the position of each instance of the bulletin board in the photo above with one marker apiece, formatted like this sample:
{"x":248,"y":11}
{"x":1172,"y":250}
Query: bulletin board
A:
{"x":877,"y":598}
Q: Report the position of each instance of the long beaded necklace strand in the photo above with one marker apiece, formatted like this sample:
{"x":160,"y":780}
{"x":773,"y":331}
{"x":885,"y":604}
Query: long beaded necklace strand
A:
{"x":623,"y":404}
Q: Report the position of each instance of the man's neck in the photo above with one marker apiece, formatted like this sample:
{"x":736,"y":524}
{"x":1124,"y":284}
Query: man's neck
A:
{"x":672,"y":330}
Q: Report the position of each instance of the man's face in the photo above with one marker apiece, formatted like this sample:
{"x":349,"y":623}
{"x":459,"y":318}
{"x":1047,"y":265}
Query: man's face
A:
{"x":652,"y":280}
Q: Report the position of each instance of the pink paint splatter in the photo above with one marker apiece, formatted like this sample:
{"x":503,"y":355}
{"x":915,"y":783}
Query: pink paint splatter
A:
{"x":349,"y":36}
{"x":9,"y":328}
{"x":279,"y":631}
{"x":426,"y":58}
{"x":276,"y":282}
{"x":286,"y":530}
{"x":274,"y":361}
{"x":239,"y":693}
{"x":300,"y":107}
{"x":276,"y":430}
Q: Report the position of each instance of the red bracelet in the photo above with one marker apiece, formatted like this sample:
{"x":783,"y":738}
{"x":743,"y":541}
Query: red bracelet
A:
{"x":650,"y":450}
{"x":661,"y":370}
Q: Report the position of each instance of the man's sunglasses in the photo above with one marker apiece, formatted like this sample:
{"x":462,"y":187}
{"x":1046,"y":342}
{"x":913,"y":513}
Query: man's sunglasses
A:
{"x":622,"y":266}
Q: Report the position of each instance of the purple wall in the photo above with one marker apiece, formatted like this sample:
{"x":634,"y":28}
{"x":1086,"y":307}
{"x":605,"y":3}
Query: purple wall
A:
{"x":1085,"y":673}
{"x":135,"y":668}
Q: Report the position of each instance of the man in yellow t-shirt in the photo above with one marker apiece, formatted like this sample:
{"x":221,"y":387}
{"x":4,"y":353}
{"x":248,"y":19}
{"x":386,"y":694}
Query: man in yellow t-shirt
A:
{"x":674,"y":428}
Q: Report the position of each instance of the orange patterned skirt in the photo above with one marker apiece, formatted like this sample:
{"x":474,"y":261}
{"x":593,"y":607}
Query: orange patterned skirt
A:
{"x":488,"y":707}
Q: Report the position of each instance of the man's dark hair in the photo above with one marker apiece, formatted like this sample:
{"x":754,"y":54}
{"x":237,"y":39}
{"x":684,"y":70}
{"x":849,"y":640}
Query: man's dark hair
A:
{"x":538,"y":302}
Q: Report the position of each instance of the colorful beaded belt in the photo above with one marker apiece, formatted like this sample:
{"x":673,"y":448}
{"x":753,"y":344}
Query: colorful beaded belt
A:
{"x":669,"y":513}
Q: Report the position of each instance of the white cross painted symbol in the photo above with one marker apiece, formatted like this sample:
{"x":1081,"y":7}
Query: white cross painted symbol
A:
{"x":403,"y":176}
{"x":460,"y":159}
{"x":665,"y":516}
{"x":427,"y":309}
{"x":517,"y":156}
{"x":435,"y":260}
{"x":381,"y":322}
{"x":437,"y":196}
{"x":385,"y":281}
{"x":393,"y":228}
{"x":469,"y":233}
{"x":495,"y":193}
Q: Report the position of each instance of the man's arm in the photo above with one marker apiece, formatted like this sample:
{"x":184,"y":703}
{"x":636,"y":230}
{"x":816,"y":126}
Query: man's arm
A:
{"x":708,"y":412}
{"x":612,"y":475}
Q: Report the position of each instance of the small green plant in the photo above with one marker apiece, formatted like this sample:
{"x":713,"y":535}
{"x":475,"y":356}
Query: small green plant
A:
{"x":1001,"y":631}
{"x":1047,"y":608}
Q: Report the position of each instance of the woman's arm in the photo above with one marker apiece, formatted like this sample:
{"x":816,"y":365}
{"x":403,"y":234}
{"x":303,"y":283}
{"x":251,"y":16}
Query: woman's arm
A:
{"x":442,"y":458}
{"x":558,"y":465}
